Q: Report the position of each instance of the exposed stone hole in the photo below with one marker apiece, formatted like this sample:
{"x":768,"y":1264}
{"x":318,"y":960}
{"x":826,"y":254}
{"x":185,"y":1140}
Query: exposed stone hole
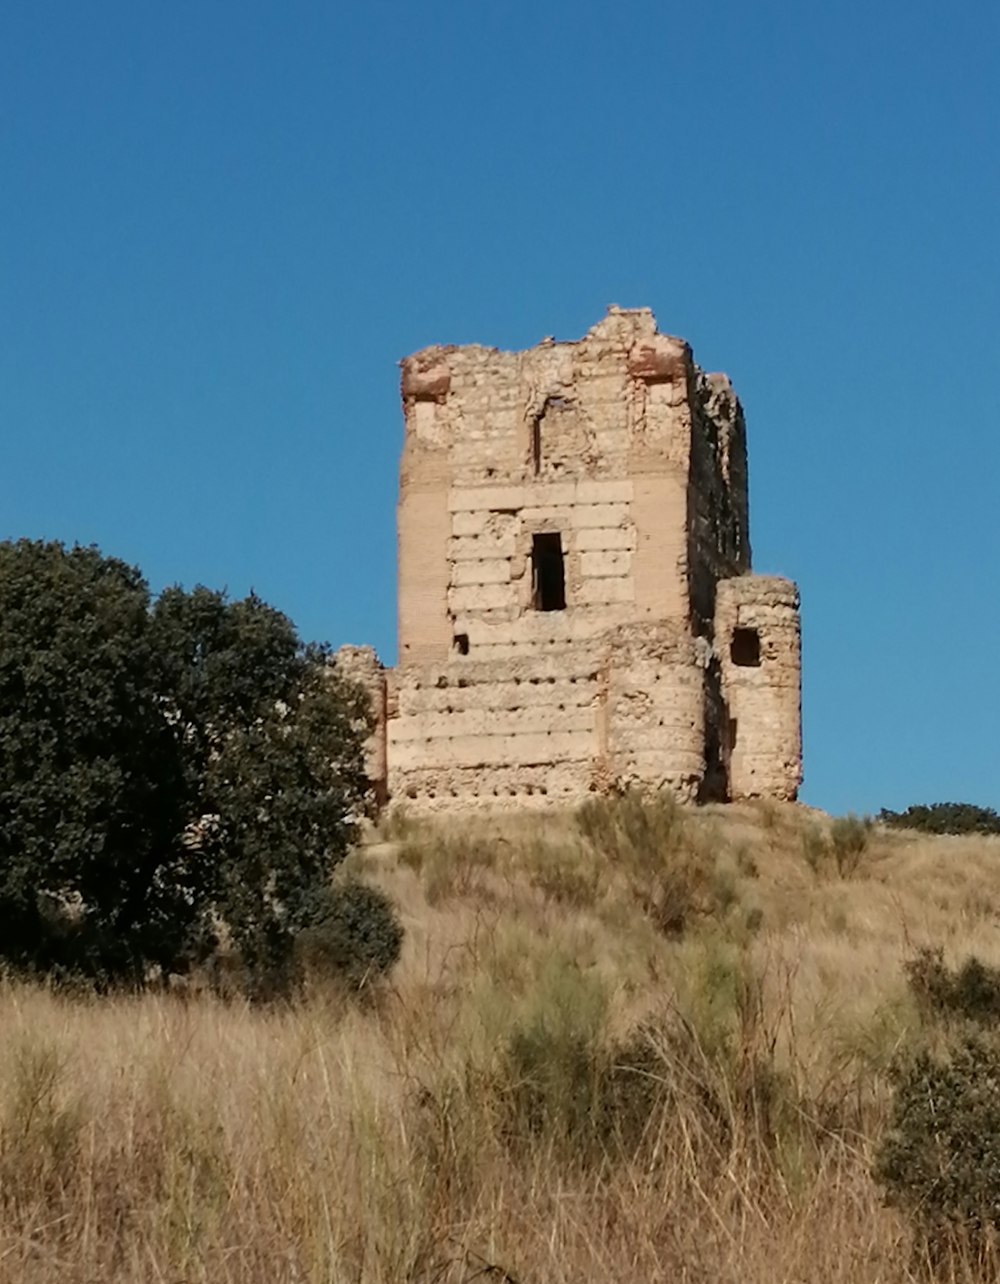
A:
{"x":441,"y":683}
{"x":462,"y":643}
{"x":732,"y":734}
{"x":463,"y":682}
{"x":744,"y":649}
{"x":411,"y":791}
{"x":542,"y":789}
{"x":548,"y":573}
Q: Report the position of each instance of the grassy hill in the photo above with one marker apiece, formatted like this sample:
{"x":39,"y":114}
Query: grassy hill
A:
{"x":641,"y":1044}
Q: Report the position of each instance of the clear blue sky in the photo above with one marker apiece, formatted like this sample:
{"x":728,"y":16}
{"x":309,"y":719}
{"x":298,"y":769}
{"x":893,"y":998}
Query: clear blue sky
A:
{"x":222,"y":224}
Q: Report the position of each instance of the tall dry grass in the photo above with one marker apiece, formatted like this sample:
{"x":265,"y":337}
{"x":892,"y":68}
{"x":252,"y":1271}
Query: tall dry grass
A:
{"x":561,"y":1084}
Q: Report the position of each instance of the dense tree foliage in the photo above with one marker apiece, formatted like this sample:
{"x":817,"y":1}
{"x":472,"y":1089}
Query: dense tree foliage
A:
{"x":944,"y":818}
{"x":171,"y":772}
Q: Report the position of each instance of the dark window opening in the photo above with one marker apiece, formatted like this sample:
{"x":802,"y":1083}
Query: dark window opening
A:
{"x":744,"y":649}
{"x":548,"y":575}
{"x":462,"y":643}
{"x":536,"y":445}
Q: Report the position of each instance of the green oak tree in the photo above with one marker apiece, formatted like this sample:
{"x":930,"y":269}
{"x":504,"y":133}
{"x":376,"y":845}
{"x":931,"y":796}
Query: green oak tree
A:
{"x":173,"y":773}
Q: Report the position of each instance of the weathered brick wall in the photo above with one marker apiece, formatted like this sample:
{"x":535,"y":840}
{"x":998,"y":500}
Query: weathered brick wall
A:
{"x":495,"y":732}
{"x":656,"y":708}
{"x":551,"y":727}
{"x":588,"y":439}
{"x":620,"y":453}
{"x":761,"y":684}
{"x":360,"y":664}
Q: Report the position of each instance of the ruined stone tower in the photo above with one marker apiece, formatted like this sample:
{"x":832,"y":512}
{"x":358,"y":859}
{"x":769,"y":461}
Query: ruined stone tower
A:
{"x":576,"y":609}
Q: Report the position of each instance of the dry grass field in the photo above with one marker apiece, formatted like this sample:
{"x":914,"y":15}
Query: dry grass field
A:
{"x":592,"y":1064}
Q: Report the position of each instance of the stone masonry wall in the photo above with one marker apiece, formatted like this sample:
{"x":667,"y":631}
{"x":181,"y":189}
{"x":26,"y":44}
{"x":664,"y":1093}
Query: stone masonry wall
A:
{"x":656,"y":708}
{"x":588,"y":439}
{"x":617,"y":461}
{"x":757,"y":638}
{"x":360,"y":664}
{"x":548,"y":729}
{"x":495,"y":732}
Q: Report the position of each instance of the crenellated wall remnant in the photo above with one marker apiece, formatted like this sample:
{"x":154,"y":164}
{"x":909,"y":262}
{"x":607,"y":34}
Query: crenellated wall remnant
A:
{"x":576,"y":608}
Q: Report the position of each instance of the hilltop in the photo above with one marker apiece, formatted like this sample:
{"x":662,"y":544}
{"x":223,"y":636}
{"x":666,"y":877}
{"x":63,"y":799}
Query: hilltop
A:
{"x":591,"y":1064}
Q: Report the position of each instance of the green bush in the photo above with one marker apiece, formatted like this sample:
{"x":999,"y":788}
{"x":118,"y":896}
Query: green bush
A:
{"x":592,"y":1099}
{"x":569,"y":873}
{"x":849,"y":837}
{"x":815,"y":848}
{"x":968,"y":993}
{"x":646,"y":837}
{"x":354,"y":936}
{"x":940,"y":1160}
{"x":944,"y":818}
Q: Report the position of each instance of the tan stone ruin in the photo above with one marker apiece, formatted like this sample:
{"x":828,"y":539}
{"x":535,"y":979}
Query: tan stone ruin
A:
{"x":576,"y":609}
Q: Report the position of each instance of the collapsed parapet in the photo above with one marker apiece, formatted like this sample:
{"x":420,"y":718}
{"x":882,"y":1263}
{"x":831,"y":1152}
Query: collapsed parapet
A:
{"x":574,"y":582}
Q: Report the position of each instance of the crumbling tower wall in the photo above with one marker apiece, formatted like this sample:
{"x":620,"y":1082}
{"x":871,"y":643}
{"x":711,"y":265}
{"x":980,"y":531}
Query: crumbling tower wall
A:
{"x":757,"y":638}
{"x":566,"y":517}
{"x":360,"y":665}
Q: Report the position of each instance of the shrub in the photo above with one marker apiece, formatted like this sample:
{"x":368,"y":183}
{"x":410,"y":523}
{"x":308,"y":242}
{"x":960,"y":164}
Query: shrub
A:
{"x":944,"y":818}
{"x":968,"y":993}
{"x":560,"y":1082}
{"x":592,"y":1099}
{"x":849,"y":837}
{"x":815,"y":848}
{"x":567,"y":873}
{"x":669,"y":874}
{"x":355,"y":935}
{"x":940,"y":1160}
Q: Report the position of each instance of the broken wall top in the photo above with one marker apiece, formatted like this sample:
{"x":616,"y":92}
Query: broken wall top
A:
{"x":478,"y":408}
